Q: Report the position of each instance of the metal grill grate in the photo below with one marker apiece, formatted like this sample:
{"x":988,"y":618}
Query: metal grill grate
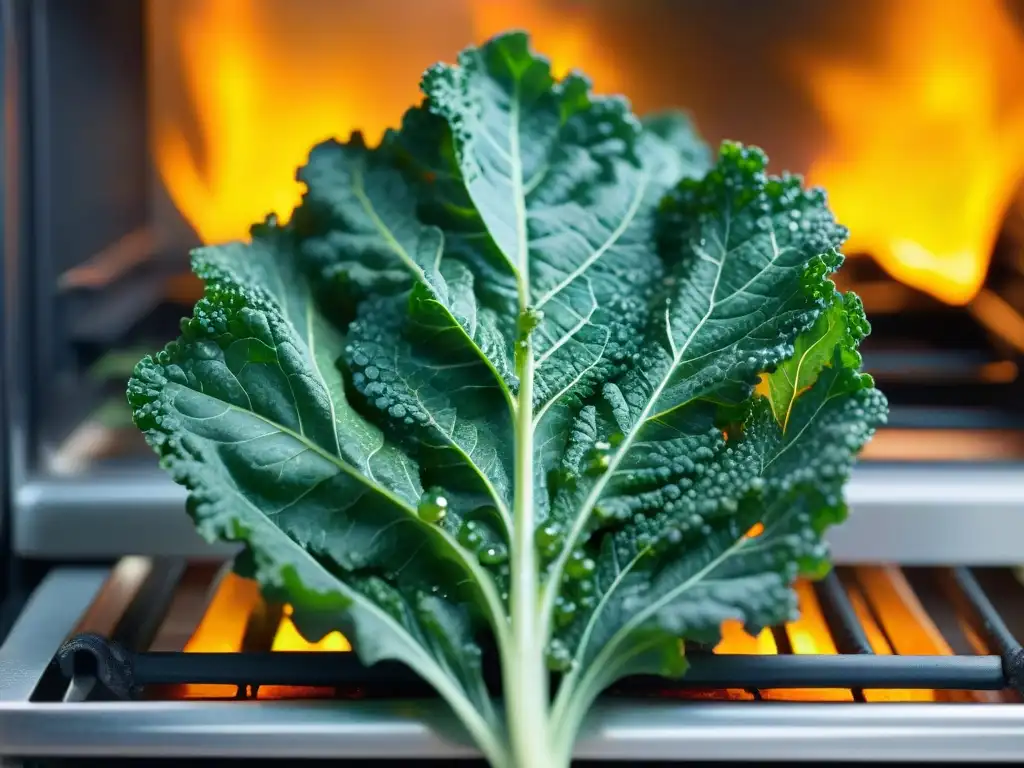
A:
{"x":182,"y":660}
{"x":857,"y":666}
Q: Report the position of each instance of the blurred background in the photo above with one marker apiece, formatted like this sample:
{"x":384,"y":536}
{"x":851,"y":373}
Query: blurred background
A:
{"x":140,"y":128}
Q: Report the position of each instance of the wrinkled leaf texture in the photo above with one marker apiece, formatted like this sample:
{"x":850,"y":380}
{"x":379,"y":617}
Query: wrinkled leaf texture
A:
{"x":348,"y":365}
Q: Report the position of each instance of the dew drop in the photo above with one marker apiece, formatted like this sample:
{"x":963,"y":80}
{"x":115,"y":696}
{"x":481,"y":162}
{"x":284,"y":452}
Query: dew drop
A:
{"x":580,"y":566}
{"x":599,"y":458}
{"x":559,"y":657}
{"x":494,"y":554}
{"x":548,"y":539}
{"x":469,"y":535}
{"x":433,"y":506}
{"x":565,"y":612}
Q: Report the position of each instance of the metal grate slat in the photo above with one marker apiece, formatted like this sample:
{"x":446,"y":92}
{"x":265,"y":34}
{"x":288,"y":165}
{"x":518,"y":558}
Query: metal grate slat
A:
{"x":841,"y":617}
{"x":997,"y":633}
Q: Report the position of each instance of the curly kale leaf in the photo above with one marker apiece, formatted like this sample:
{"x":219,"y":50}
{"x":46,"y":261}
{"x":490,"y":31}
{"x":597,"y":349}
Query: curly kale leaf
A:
{"x":648,"y":537}
{"x":495,"y":383}
{"x":248,"y":410}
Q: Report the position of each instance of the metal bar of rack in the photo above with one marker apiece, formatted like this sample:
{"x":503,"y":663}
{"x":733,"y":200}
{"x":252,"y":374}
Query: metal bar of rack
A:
{"x":125,"y":673}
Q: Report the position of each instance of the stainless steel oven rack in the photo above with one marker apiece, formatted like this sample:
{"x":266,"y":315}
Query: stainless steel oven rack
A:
{"x":102,"y":697}
{"x":89,"y":658}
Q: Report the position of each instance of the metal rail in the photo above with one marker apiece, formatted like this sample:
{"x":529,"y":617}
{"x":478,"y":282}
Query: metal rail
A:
{"x":626,"y":724}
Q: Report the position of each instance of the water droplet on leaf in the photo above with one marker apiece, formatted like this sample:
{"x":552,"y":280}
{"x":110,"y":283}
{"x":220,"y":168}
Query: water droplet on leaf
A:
{"x":548,"y":538}
{"x":495,"y":554}
{"x":580,"y":566}
{"x":559,"y":657}
{"x":469,"y":535}
{"x":599,"y":458}
{"x":433,"y":506}
{"x":565,"y":612}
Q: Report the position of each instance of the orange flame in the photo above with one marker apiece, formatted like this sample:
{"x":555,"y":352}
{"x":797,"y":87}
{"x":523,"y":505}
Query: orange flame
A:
{"x":243,"y":88}
{"x":895,"y":623}
{"x":566,"y":35}
{"x":287,"y":638}
{"x":222,"y":629}
{"x":927,"y":143}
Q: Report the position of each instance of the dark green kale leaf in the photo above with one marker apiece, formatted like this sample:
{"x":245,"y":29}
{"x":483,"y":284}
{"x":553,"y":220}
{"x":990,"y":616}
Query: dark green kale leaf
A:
{"x":493,"y":384}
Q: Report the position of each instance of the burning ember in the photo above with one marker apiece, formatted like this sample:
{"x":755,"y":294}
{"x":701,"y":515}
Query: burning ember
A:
{"x":926,"y":140}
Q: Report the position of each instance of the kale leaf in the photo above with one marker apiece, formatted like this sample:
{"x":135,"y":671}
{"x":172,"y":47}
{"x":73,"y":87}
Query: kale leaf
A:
{"x":495,"y":383}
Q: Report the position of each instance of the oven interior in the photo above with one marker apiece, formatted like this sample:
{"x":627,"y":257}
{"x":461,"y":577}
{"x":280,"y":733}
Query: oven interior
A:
{"x":160,"y":124}
{"x":138,"y":129}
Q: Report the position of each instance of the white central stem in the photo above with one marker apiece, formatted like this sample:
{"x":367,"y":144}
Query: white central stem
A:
{"x":525,"y":672}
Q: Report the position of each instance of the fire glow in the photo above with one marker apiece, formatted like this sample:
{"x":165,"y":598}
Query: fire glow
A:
{"x":924,"y":144}
{"x":926,"y":140}
{"x":241,"y":89}
{"x":253,"y":86}
{"x":891,"y":614}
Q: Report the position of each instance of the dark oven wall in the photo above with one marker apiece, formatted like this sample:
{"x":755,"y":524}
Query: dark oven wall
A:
{"x":90,"y":194}
{"x":9,"y":231}
{"x":82,"y":269}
